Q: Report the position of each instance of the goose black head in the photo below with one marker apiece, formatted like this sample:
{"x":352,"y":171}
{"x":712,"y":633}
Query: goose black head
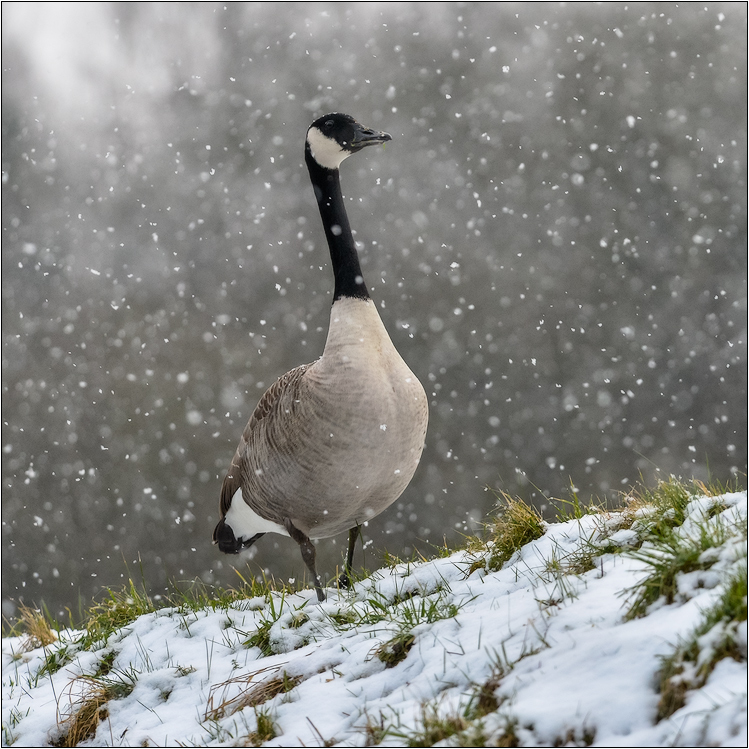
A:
{"x":334,"y":137}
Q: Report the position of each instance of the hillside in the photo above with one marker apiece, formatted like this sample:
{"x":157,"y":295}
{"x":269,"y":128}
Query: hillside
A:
{"x":623,"y":628}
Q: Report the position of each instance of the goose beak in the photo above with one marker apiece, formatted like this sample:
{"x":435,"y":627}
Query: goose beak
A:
{"x":364,"y":136}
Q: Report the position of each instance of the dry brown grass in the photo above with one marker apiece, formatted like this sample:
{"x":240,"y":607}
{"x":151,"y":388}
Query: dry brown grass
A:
{"x":252,"y":693}
{"x":86,"y":699}
{"x":37,"y":629}
{"x":514,"y":525}
{"x":85,"y":713}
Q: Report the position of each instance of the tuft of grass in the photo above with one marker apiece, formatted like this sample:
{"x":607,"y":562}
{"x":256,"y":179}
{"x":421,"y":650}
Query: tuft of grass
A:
{"x":483,"y":700}
{"x":298,"y":619}
{"x":252,"y":694}
{"x":656,"y":511}
{"x":15,"y":716}
{"x":462,"y":726}
{"x":341,"y":619}
{"x":37,"y":628}
{"x":436,"y":727}
{"x":391,"y":560}
{"x":118,"y":609}
{"x":271,"y":614}
{"x":715,"y":638}
{"x":585,"y":737}
{"x":425,"y":610}
{"x":407,"y":610}
{"x":395,"y":650}
{"x":261,"y":638}
{"x":665,"y":506}
{"x":732,"y":605}
{"x":89,"y":708}
{"x":574,"y":509}
{"x":375,"y":732}
{"x":55,"y":659}
{"x":265,"y":730}
{"x":508,"y":736}
{"x":105,"y":663}
{"x":82,"y":724}
{"x":515,"y":525}
{"x":196,"y":595}
{"x":667,"y":557}
{"x":575,"y":562}
{"x":457,"y":727}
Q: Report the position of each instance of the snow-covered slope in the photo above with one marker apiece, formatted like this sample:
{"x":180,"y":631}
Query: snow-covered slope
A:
{"x":538,"y":653}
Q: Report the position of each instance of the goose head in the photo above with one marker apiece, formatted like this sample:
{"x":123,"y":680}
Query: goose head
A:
{"x":334,"y":137}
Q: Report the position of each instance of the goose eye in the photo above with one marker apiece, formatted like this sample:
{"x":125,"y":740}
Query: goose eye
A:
{"x":329,"y":124}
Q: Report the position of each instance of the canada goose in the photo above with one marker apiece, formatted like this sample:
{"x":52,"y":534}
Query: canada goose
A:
{"x":333,"y":443}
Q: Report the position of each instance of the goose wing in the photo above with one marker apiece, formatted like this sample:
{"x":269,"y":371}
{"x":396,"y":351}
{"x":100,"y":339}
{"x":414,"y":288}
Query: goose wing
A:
{"x":265,"y":407}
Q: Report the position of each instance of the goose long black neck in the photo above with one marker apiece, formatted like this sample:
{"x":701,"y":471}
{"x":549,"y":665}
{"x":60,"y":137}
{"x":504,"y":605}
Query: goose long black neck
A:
{"x":343,"y":255}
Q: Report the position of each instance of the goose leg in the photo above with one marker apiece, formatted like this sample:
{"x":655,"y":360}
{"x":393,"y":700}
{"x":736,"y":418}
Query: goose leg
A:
{"x":353,"y":536}
{"x":308,"y":554}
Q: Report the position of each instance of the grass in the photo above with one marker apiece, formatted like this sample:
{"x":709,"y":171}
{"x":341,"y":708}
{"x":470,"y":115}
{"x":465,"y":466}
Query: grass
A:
{"x":118,"y":609}
{"x":668,"y":537}
{"x":461,"y":726}
{"x":406,"y":610}
{"x":715,"y":638}
{"x":261,"y":638}
{"x":514,"y":525}
{"x":574,"y":508}
{"x":395,"y":650}
{"x":437,"y":726}
{"x":666,"y":546}
{"x":483,"y":700}
{"x":655,"y":511}
{"x":584,"y":737}
{"x":575,"y":562}
{"x":407,"y":615}
{"x":675,"y":540}
{"x":251,"y":693}
{"x":266,"y":728}
{"x":37,"y":629}
{"x":88,"y":709}
{"x":375,"y":730}
{"x":669,"y":557}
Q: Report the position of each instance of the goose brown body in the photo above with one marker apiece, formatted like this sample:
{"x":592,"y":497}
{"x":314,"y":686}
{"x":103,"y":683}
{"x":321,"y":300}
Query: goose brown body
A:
{"x":333,"y":443}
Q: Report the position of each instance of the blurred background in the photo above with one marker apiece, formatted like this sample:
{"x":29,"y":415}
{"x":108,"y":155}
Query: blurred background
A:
{"x":556,"y":237}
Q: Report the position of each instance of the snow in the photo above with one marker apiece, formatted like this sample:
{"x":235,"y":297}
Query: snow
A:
{"x":565,"y":664}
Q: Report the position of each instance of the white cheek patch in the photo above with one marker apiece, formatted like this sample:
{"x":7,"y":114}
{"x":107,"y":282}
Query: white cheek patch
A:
{"x":325,"y":151}
{"x":245,"y":522}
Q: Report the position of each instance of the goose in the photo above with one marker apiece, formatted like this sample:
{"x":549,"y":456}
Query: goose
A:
{"x":333,"y":443}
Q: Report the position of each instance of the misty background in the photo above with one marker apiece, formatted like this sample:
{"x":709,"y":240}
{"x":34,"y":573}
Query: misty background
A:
{"x":556,"y":237}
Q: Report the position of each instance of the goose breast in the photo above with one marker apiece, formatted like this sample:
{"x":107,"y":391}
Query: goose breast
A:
{"x":343,"y":438}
